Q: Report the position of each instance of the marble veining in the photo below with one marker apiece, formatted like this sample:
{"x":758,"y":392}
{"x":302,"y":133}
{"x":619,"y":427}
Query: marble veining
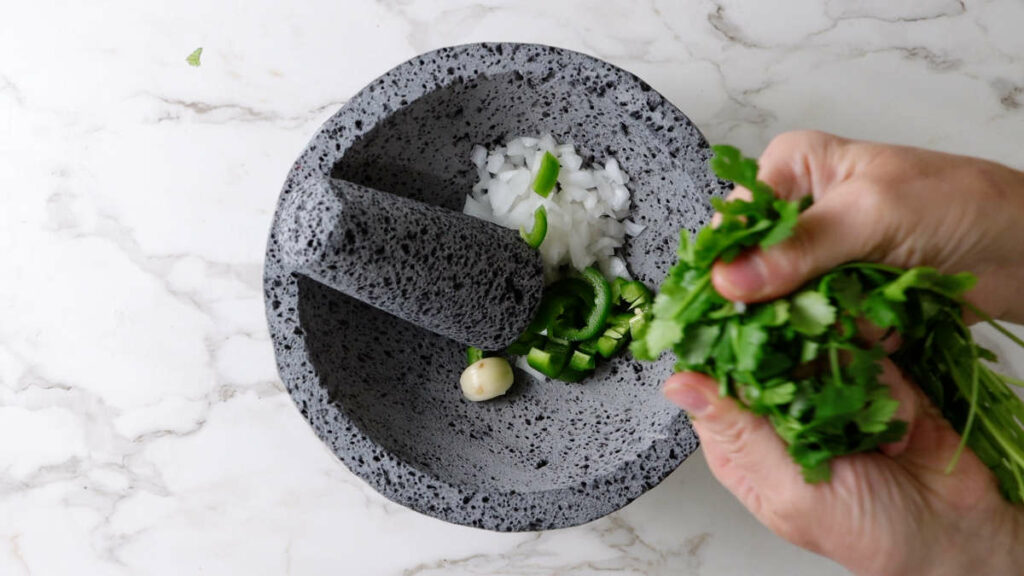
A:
{"x":143,"y":429}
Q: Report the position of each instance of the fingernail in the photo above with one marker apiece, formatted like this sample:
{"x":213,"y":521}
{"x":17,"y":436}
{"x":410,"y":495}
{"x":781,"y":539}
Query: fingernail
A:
{"x":745,"y":276}
{"x":686,"y":397}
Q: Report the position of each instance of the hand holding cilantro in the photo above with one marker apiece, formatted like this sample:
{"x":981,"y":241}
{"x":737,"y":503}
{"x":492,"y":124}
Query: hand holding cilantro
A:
{"x":907,"y":497}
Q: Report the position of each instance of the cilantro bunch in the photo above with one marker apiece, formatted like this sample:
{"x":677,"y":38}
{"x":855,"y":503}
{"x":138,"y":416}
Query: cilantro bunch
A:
{"x":798,"y":359}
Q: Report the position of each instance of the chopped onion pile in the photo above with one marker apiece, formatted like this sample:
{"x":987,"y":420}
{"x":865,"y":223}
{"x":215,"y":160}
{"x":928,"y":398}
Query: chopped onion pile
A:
{"x":586,"y":213}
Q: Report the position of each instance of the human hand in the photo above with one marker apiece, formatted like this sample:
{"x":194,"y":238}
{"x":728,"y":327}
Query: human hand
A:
{"x":891,"y":204}
{"x":893,"y":512}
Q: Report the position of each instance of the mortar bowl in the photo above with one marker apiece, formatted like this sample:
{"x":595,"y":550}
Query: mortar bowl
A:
{"x":384,"y":393}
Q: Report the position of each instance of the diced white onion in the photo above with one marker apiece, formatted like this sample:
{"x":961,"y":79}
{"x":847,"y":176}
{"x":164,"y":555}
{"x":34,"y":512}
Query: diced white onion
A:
{"x":479,"y":156}
{"x":632,"y":228}
{"x":612,"y":169}
{"x":495,"y":162}
{"x":586,"y":210}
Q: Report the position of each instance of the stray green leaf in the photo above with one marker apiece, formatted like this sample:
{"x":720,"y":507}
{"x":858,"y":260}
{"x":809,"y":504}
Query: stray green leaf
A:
{"x":193,"y":58}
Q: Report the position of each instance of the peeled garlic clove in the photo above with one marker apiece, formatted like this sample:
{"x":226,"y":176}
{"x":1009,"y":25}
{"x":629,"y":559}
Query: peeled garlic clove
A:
{"x":485,"y":379}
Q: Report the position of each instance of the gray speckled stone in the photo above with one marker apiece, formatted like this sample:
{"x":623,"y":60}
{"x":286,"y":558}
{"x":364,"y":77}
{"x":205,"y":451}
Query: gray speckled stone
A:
{"x":384,"y":393}
{"x":455,"y":275}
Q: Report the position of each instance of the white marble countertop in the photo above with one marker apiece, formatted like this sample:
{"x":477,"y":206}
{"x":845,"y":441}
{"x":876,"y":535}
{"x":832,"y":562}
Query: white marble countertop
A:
{"x":143,"y":427}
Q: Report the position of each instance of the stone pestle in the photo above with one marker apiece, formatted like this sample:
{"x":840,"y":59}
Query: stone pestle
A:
{"x":458,"y":276}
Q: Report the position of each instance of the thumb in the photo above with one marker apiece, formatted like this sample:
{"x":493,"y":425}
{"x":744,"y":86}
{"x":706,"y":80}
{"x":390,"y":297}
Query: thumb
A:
{"x":742,"y":450}
{"x":842,"y":226}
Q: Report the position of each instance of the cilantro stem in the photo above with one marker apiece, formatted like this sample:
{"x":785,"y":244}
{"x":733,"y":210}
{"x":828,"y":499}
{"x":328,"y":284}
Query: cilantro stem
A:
{"x":697,"y":289}
{"x":1012,"y":380}
{"x":734,"y":338}
{"x":1019,"y":478}
{"x":996,"y":434}
{"x":974,"y":405}
{"x":992,"y":322}
{"x":833,"y":358}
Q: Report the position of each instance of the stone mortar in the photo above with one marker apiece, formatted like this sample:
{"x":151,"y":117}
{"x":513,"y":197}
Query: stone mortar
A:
{"x":384,"y":393}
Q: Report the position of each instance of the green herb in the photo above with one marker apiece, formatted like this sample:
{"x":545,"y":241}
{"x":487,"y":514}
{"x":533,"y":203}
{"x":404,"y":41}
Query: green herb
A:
{"x":547,"y":175}
{"x":796,"y":361}
{"x":193,"y":58}
{"x":535,"y":237}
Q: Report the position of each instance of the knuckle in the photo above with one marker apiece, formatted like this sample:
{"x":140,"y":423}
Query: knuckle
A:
{"x":793,"y":161}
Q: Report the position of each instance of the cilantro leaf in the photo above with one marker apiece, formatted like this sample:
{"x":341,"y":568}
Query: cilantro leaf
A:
{"x":662,"y":334}
{"x":883,"y":312}
{"x":865,"y":367}
{"x":845,"y":287}
{"x":774,"y":363}
{"x":879,"y":412}
{"x":729,"y":164}
{"x":711,"y":243}
{"x":924,"y":278}
{"x":811,"y":313}
{"x":779,"y":394}
{"x":697,"y":344}
{"x":837,"y":400}
{"x":749,"y":346}
{"x":737,"y":207}
{"x":788,"y":212}
{"x":774,"y":313}
{"x":685,"y":249}
{"x":809,"y":351}
{"x":813,"y":460}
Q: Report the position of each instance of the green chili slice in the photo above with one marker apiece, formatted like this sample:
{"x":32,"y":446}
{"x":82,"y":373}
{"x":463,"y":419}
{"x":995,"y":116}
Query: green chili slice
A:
{"x":473,"y":355}
{"x":547,"y":175}
{"x":600,"y":301}
{"x":536,"y":235}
